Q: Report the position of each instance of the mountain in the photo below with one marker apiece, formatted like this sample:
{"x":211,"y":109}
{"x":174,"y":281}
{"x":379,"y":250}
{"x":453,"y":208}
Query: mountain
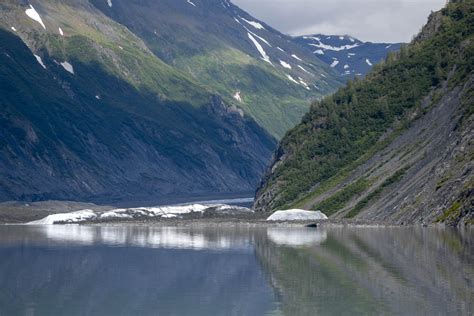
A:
{"x":349,"y":56}
{"x":247,"y":62}
{"x":89,"y":112}
{"x":395,"y":147}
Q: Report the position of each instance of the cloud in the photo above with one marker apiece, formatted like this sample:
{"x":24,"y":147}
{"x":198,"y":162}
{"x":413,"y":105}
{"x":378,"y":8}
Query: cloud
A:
{"x":370,"y":20}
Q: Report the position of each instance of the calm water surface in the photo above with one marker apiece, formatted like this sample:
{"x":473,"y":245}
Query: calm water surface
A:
{"x":132,"y":270}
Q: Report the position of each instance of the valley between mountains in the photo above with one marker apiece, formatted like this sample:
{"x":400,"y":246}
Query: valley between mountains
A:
{"x":123,"y":101}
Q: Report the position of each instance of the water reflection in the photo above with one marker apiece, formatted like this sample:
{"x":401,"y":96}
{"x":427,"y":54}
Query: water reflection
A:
{"x":296,"y":237}
{"x":77,"y":270}
{"x":114,"y":270}
{"x":372,"y":270}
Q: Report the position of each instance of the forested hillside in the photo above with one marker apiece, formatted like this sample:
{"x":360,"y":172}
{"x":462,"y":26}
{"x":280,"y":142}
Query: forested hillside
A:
{"x":396,"y":146}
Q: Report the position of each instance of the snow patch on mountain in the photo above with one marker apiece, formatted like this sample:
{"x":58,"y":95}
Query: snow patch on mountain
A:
{"x":13,"y":29}
{"x":256,"y":25}
{"x":296,"y":57}
{"x":33,"y":14}
{"x":285,"y":64}
{"x":302,"y":68}
{"x":237,"y":96}
{"x":40,"y":61}
{"x":260,"y":49}
{"x":292,"y":79}
{"x":319,"y":52}
{"x":61,"y":32}
{"x":68,"y":67}
{"x":334,"y":48}
{"x":335,"y":63}
{"x":368,"y":62}
{"x":304,"y":84}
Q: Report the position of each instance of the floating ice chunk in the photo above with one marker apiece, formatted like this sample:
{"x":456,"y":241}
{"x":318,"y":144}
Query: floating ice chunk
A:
{"x":109,"y":2}
{"x":190,"y":2}
{"x":40,"y":61}
{"x":31,"y":12}
{"x":368,"y":62}
{"x":296,"y":57}
{"x":341,"y":37}
{"x":237,"y":96}
{"x":297,"y":215}
{"x":281,"y":49}
{"x":335,"y":63}
{"x":98,"y":97}
{"x":68,"y":67}
{"x":260,"y":49}
{"x":346,"y":66}
{"x":256,"y":25}
{"x":387,"y":47}
{"x":285,"y":64}
{"x":61,"y":32}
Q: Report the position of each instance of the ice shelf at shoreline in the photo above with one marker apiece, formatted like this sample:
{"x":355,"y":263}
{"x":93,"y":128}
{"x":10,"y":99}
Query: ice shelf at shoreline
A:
{"x":138,"y":213}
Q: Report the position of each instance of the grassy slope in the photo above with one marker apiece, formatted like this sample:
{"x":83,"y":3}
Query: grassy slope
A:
{"x":344,"y":130}
{"x":92,"y":38}
{"x":214,"y":50}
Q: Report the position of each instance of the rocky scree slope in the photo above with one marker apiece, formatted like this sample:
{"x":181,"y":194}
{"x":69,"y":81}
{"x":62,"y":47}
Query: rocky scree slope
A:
{"x":349,"y":56}
{"x":89,"y":113}
{"x":395,"y":147}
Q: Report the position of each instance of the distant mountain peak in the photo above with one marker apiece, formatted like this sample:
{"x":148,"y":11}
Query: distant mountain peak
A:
{"x":348,"y":55}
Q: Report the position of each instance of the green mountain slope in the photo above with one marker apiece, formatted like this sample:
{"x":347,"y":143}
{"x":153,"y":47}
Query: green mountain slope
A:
{"x":396,"y":146}
{"x":249,"y":64}
{"x":93,"y":114}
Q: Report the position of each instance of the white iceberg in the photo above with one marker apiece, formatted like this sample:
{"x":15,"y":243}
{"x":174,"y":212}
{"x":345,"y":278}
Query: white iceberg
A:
{"x":297,"y":215}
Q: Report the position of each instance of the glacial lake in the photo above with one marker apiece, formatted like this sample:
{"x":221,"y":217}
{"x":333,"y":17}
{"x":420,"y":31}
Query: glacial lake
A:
{"x":136,"y":270}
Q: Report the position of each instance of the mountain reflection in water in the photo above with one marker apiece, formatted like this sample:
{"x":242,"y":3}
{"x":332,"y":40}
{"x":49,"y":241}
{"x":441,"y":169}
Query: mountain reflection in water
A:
{"x":123,"y":270}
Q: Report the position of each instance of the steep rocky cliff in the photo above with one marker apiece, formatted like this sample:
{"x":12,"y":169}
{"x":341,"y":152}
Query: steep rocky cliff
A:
{"x":394,"y":147}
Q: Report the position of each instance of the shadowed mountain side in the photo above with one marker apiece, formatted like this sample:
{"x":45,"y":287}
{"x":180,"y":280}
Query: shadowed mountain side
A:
{"x":92,"y":135}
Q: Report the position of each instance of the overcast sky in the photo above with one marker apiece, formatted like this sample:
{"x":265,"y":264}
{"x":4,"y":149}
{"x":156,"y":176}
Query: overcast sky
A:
{"x":368,"y":20}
